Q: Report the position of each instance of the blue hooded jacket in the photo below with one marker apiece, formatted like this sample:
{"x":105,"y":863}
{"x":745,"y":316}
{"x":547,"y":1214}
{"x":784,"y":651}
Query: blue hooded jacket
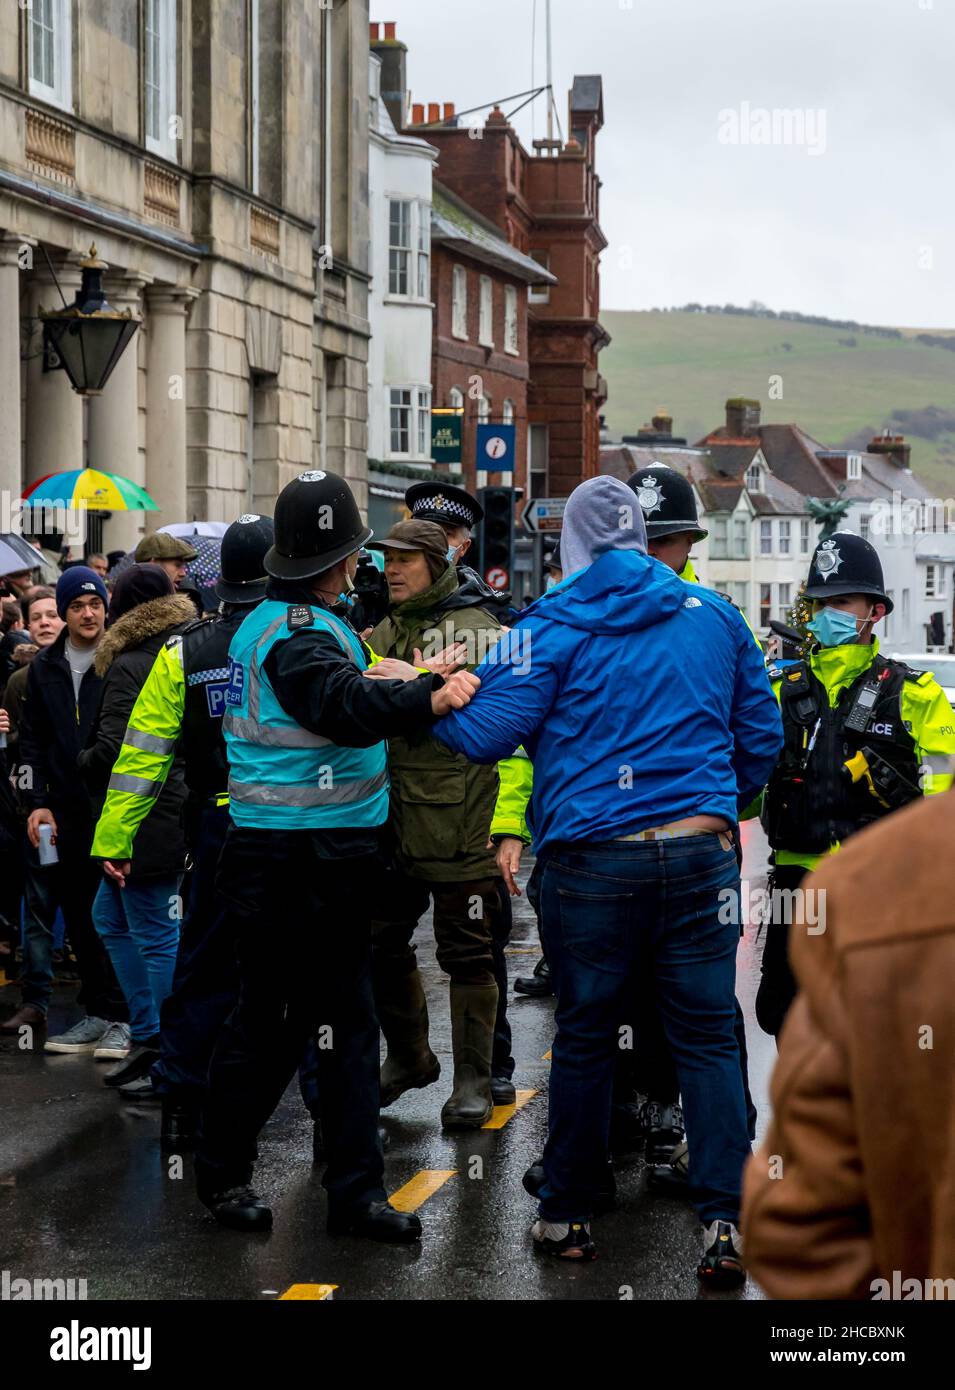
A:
{"x":640,"y":698}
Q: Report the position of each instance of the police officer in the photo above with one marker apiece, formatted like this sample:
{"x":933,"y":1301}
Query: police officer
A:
{"x":863,"y":734}
{"x":457,"y":513}
{"x":179,"y":710}
{"x":308,"y":790}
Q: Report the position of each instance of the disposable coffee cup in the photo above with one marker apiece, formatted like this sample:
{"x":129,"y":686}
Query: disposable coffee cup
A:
{"x":48,"y":854}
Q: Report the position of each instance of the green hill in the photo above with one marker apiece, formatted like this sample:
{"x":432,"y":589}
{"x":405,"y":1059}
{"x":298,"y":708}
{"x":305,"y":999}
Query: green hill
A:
{"x":840,"y":384}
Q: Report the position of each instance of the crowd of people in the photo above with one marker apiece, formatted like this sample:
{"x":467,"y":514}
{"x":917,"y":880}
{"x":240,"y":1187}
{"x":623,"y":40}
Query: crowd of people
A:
{"x":338,"y":747}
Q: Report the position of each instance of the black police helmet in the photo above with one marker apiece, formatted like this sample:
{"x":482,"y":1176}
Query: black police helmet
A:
{"x":667,"y":502}
{"x":846,"y":564}
{"x":317,"y":523}
{"x":241,"y":558}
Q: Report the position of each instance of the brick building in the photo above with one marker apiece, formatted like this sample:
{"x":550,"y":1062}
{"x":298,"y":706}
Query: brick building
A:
{"x":479,"y":285}
{"x":547,"y":206}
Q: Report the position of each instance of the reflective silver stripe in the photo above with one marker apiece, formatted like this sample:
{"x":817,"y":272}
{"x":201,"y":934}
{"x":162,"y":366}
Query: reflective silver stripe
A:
{"x":149,"y":743}
{"x":295,"y":794}
{"x":272,"y":735}
{"x":142,"y":786}
{"x":519,"y":753}
{"x":254,"y":681}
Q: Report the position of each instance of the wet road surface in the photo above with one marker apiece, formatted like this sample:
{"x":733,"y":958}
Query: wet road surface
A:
{"x":86,"y":1194}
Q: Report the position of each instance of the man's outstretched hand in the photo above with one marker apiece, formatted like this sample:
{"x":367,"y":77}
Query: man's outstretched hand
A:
{"x":458,"y":690}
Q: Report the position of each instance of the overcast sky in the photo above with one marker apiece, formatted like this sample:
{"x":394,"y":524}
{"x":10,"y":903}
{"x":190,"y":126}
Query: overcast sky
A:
{"x":858,"y":221}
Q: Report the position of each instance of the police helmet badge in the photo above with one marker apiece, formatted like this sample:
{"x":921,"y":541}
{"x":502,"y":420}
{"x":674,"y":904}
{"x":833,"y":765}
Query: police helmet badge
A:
{"x":828,"y":560}
{"x":649,"y":495}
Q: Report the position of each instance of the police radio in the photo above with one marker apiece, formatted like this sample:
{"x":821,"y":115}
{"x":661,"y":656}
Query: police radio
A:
{"x":858,"y":717}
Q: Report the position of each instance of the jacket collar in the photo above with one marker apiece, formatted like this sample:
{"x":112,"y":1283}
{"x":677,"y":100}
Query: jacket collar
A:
{"x":838,"y":667}
{"x":140,"y":623}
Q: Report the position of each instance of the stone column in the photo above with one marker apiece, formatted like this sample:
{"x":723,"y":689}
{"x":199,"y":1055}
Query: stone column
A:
{"x":10,"y":433}
{"x":54,"y":411}
{"x":167,"y":308}
{"x":113,"y":443}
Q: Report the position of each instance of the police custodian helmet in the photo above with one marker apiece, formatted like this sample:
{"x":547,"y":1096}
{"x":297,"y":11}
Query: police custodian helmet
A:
{"x":846,"y":564}
{"x":667,"y":502}
{"x":317,"y":524}
{"x":241,"y":559}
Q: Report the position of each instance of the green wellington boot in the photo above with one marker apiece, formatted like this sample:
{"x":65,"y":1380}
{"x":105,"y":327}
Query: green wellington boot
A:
{"x":473,"y":1010}
{"x":403,"y":1014}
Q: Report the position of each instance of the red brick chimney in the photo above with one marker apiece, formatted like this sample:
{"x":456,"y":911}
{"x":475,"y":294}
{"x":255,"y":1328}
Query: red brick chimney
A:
{"x":374,"y":32}
{"x":417,"y":113}
{"x":449,"y":110}
{"x":497,"y":117}
{"x":390,"y":31}
{"x":894,"y":446}
{"x":742,"y":417}
{"x":434,"y":112}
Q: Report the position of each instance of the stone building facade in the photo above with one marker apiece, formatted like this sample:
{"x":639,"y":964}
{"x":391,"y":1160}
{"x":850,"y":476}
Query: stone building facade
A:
{"x":216,"y":153}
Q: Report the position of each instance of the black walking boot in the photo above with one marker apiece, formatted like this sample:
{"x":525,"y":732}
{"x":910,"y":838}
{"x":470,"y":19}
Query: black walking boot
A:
{"x":376,"y":1221}
{"x":473,"y":1010}
{"x":241,"y":1208}
{"x":502,"y":1090}
{"x":664,"y":1126}
{"x":538,"y":984}
{"x":605,"y":1198}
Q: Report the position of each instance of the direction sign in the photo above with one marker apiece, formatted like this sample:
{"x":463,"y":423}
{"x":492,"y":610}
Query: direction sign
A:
{"x":497,"y":578}
{"x":544,"y":514}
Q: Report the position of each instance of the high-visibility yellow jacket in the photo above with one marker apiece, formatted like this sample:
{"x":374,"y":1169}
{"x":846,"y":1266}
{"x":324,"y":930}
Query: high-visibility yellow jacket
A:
{"x":925,"y":711}
{"x":147,"y":753}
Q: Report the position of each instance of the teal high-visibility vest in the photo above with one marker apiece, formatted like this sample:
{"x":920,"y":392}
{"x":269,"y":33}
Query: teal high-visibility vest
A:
{"x":281,"y":776}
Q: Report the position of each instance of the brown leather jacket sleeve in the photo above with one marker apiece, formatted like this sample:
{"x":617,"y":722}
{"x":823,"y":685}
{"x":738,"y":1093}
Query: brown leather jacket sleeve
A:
{"x":805,"y":1219}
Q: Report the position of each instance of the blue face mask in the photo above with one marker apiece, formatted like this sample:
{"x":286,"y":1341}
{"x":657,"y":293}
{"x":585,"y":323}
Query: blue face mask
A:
{"x":834,"y":627}
{"x":452,"y":553}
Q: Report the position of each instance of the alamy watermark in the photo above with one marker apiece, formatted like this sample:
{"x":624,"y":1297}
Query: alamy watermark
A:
{"x":16,"y":1290}
{"x":765,"y":906}
{"x":802,"y":126}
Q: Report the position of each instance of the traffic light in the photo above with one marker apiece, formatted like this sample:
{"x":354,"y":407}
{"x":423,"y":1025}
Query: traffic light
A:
{"x":496,"y":537}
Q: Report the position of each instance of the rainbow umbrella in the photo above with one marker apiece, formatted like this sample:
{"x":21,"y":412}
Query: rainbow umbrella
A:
{"x":90,"y":488}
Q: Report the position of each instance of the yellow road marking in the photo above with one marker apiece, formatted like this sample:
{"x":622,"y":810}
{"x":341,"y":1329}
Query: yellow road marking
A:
{"x":503,"y":1113}
{"x":422,"y":1186}
{"x":314,"y":1291}
{"x":546,"y":1057}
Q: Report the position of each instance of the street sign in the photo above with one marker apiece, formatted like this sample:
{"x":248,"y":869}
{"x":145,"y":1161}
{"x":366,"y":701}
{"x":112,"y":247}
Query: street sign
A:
{"x":544,"y":514}
{"x":446,"y":435}
{"x":495,"y":448}
{"x":497,"y":578}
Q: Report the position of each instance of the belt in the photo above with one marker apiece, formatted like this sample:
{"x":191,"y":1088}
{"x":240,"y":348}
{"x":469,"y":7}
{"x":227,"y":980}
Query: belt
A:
{"x":664,"y":832}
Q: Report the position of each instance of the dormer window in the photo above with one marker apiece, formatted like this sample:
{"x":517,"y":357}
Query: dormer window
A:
{"x":754,"y":478}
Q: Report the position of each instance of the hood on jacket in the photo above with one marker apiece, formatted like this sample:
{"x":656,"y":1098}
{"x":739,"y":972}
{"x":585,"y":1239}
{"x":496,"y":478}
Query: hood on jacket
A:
{"x":146,"y":620}
{"x":602,"y":514}
{"x":622,"y":591}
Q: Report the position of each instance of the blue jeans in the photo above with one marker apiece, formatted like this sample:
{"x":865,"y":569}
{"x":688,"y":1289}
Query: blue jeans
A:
{"x":608,"y":912}
{"x":139,"y":926}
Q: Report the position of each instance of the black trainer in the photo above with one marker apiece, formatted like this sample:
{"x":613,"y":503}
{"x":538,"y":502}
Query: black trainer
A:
{"x":138,"y":1063}
{"x":537,"y":984}
{"x":376,"y":1221}
{"x":241,"y":1208}
{"x":722,"y":1264}
{"x":568,"y":1240}
{"x":672,"y":1177}
{"x":664,"y":1129}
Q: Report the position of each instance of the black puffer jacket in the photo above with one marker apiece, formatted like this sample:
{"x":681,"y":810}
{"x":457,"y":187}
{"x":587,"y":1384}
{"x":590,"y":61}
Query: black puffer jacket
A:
{"x":123,"y":661}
